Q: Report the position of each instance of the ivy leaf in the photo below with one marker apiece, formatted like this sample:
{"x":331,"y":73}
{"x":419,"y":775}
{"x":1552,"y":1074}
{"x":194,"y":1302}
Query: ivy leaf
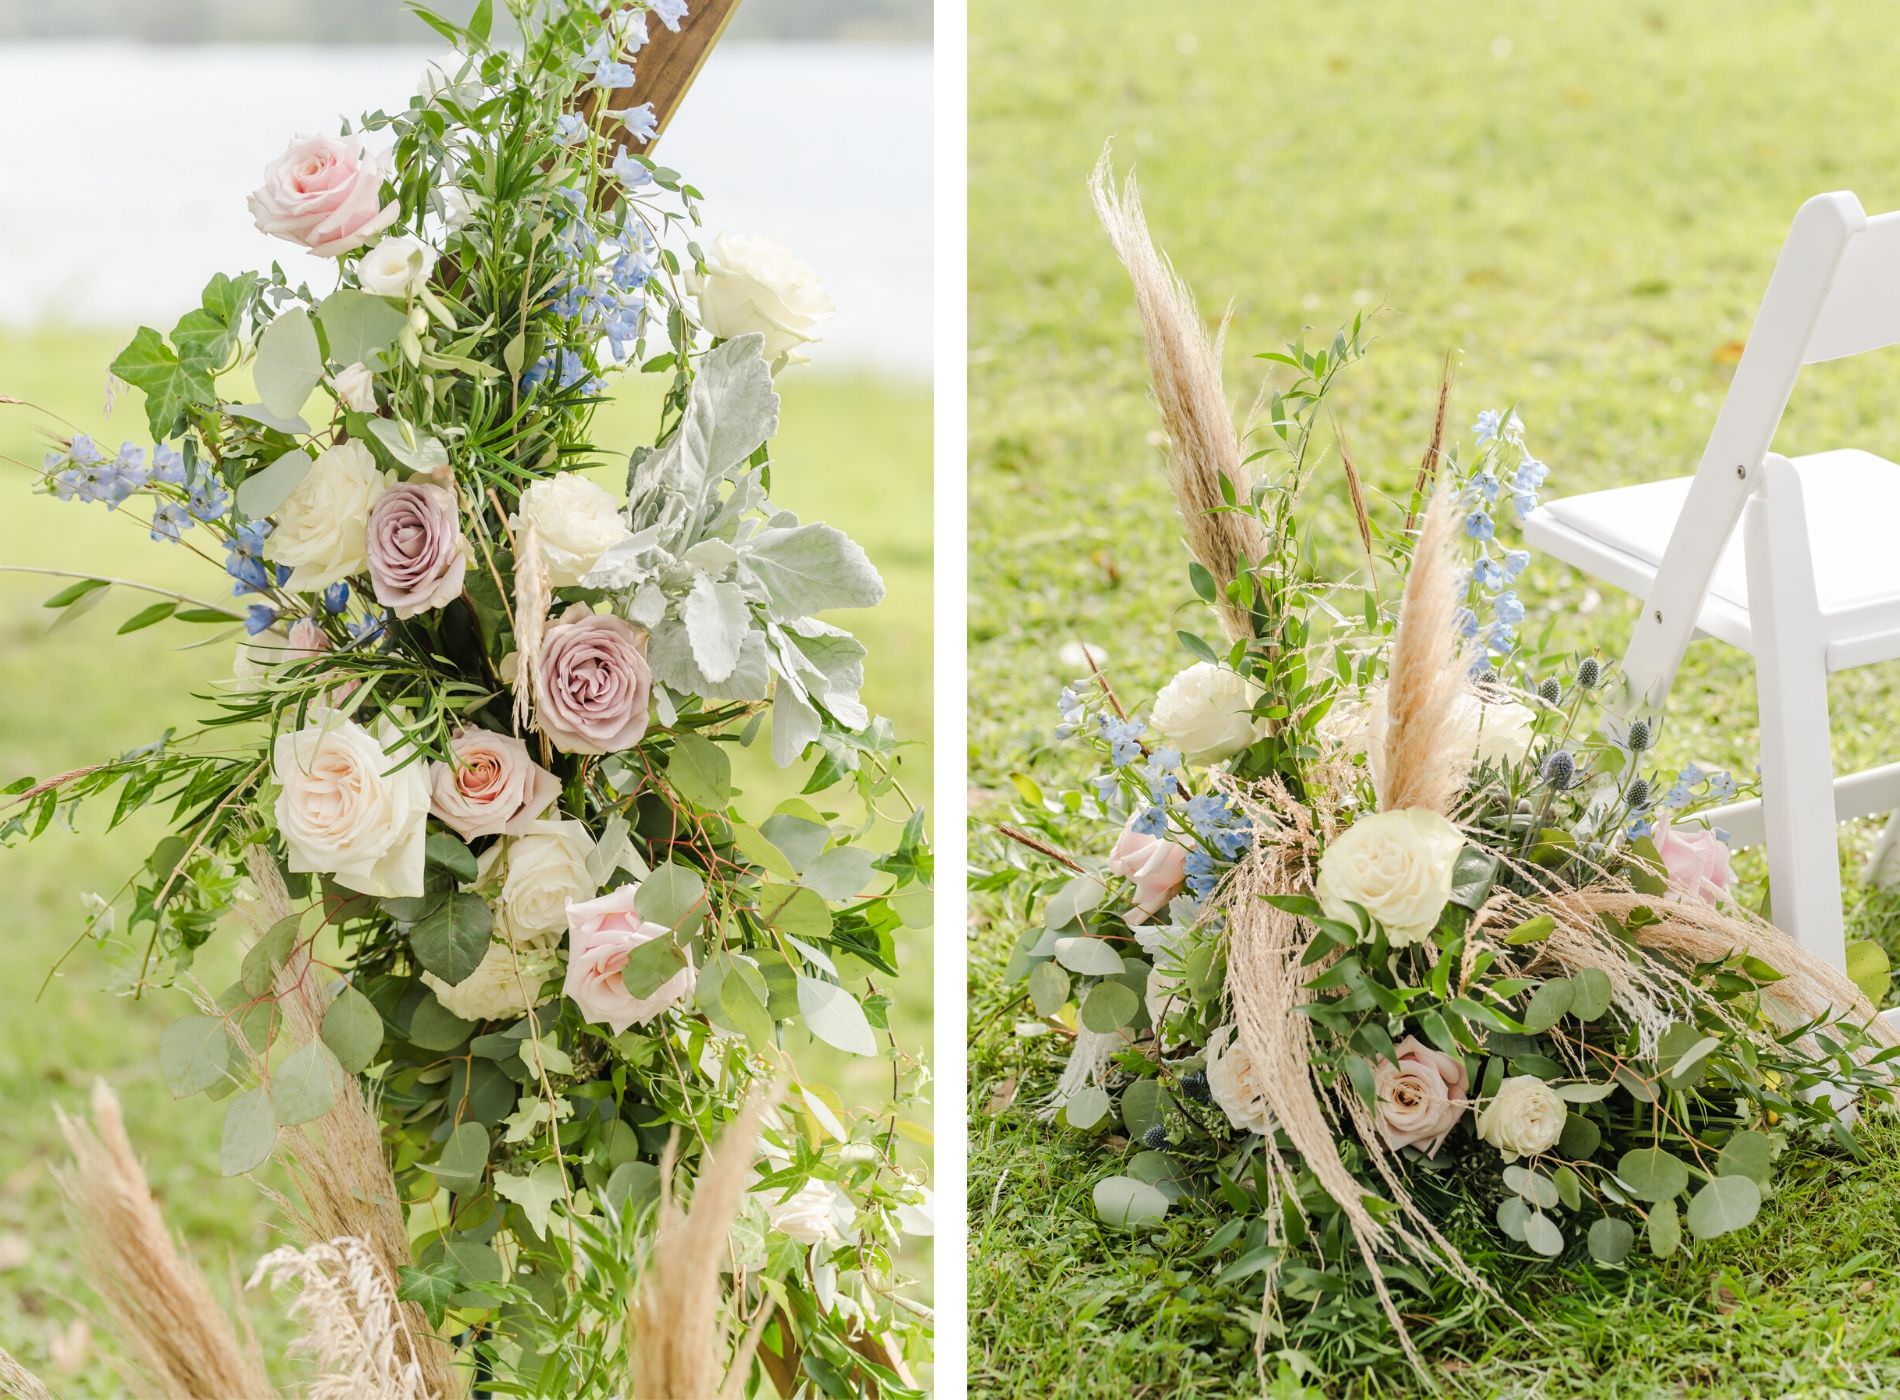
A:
{"x":429,"y":1287}
{"x":170,"y":386}
{"x":452,"y":938}
{"x":535,"y":1193}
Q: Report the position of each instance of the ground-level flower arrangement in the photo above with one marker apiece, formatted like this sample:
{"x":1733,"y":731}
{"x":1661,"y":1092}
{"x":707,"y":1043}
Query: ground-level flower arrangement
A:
{"x":518,"y":947}
{"x":1380,"y":939}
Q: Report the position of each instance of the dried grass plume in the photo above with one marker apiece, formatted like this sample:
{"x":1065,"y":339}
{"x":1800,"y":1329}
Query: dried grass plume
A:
{"x":1425,"y":759}
{"x":676,"y":1323}
{"x":352,"y":1325}
{"x":172,"y":1327}
{"x":1184,"y":368}
{"x":19,"y":1383}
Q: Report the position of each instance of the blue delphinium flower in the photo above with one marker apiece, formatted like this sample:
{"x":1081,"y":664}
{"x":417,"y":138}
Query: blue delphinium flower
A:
{"x":259,"y":617}
{"x":1721,"y":785}
{"x":1500,"y":639}
{"x":668,"y":12}
{"x":336,"y":597}
{"x":368,"y":628}
{"x":629,"y":172}
{"x":1530,"y":475}
{"x":1515,"y":562}
{"x":1202,"y":874}
{"x":1124,"y":739}
{"x":251,"y":573}
{"x":84,"y":452}
{"x":1106,"y":786}
{"x":1639,"y":828}
{"x":1208,"y":813}
{"x":209,"y":500}
{"x":1151,"y":821}
{"x":1525,"y":502}
{"x":1485,"y":486}
{"x":1467,"y":623}
{"x":1487,"y":573}
{"x":1492,"y":425}
{"x":1479,"y":526}
{"x":168,"y":465}
{"x":1510,"y":608}
{"x":610,"y":73}
{"x":642,"y":123}
{"x":568,"y":128}
{"x":168,"y":520}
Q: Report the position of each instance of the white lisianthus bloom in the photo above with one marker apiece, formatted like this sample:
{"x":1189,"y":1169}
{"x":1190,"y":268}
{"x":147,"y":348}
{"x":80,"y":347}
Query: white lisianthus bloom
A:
{"x":343,"y":812}
{"x":398,"y":266}
{"x":1397,"y":866}
{"x":1505,"y":729}
{"x":1498,"y":732}
{"x":816,"y":1213}
{"x":753,"y":284}
{"x":1234,"y":1081}
{"x":575,"y":522}
{"x":322,"y":529}
{"x":1206,"y":713}
{"x":355,"y":387}
{"x":542,"y":870}
{"x":504,"y":985}
{"x":1525,"y":1118}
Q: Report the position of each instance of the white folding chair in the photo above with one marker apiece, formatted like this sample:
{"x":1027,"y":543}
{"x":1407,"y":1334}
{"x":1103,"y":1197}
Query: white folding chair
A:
{"x":1810,"y":586}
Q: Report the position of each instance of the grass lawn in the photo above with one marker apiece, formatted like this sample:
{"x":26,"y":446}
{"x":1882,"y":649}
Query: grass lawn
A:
{"x":1584,"y":203}
{"x":856,"y":452}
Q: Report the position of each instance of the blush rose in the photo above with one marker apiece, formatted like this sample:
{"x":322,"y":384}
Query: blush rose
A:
{"x":601,"y":935}
{"x":1421,"y":1096}
{"x":324,"y":193}
{"x":1696,"y":861}
{"x":1157,"y":865}
{"x":492,"y":787}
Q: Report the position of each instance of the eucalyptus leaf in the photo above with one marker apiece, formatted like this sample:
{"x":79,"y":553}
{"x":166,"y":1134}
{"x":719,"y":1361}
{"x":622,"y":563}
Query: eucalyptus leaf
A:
{"x":353,"y":1029}
{"x":1109,"y":1006}
{"x":262,"y":492}
{"x":452,"y":939}
{"x":1724,"y":1204}
{"x":194,"y":1054}
{"x":1128,"y":1204}
{"x":833,"y":1015}
{"x":306,"y":1084}
{"x":250,"y":1131}
{"x":1090,"y":956}
{"x":289,"y":363}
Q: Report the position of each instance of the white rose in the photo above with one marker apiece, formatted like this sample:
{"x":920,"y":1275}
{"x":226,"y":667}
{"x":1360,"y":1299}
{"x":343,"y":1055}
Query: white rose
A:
{"x":575,"y":522}
{"x":343,"y":812}
{"x":753,"y":284}
{"x":1498,"y":732}
{"x":1397,"y":866}
{"x":1205,"y":712}
{"x":398,"y":266}
{"x":322,"y":529}
{"x":355,"y":387}
{"x":1235,"y":1082}
{"x":816,"y":1213}
{"x":503,"y":985}
{"x":1525,"y":1118}
{"x":541,"y":871}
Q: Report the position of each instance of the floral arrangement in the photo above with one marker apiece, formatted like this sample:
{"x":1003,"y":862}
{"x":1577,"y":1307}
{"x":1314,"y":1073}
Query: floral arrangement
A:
{"x":1395,"y":954}
{"x":475,"y":786}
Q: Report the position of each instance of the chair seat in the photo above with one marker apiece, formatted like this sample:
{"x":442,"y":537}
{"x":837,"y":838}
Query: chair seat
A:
{"x":1852,"y":501}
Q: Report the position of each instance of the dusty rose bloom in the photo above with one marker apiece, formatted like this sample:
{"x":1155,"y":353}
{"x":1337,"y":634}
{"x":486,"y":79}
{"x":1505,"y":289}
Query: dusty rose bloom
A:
{"x":602,"y":934}
{"x":1696,"y":861}
{"x":1421,"y":1096}
{"x":1157,"y":865}
{"x":307,"y":641}
{"x":592,"y":683}
{"x":325,"y":194}
{"x":417,"y":556}
{"x":492,"y":789}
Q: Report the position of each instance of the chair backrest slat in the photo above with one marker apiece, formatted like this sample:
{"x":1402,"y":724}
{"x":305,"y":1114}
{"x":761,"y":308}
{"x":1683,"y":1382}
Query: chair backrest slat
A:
{"x":1862,"y":311}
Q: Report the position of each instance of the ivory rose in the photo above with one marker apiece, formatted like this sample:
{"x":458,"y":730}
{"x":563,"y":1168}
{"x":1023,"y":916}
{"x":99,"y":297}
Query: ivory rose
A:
{"x":1206,"y":713}
{"x":1696,"y":861}
{"x":322,"y":528}
{"x":1421,"y":1096}
{"x":355,"y":387}
{"x":343,"y":812}
{"x":1397,"y":866}
{"x":399,"y":266}
{"x":753,"y":284}
{"x":491,"y":788}
{"x":816,"y":1213}
{"x":592,"y":683}
{"x":1234,"y":1081}
{"x":1157,"y":865}
{"x":542,"y":871}
{"x":1525,"y":1118}
{"x":601,"y":935}
{"x":325,"y":193}
{"x":575,"y":522}
{"x":503,"y":985}
{"x":418,"y":557}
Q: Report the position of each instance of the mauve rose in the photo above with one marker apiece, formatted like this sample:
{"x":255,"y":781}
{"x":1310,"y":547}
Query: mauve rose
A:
{"x":601,"y":934}
{"x":1157,"y":865}
{"x":1696,"y":860}
{"x":417,"y":556}
{"x":593,"y":683}
{"x":492,"y":788}
{"x":324,"y":193}
{"x":1421,"y":1096}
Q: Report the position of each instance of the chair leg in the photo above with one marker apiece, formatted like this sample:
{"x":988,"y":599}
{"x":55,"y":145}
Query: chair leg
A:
{"x":1797,"y":763}
{"x":1882,"y":870}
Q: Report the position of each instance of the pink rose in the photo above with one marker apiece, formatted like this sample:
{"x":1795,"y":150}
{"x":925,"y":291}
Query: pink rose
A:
{"x":324,"y":193}
{"x":602,"y":933}
{"x":492,"y":788}
{"x":592,"y":683}
{"x":1421,"y":1098}
{"x":1157,"y":865}
{"x":307,"y":640}
{"x":417,"y":556}
{"x":1696,"y":861}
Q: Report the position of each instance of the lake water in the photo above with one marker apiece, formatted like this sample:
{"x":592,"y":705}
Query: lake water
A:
{"x":125,"y":169}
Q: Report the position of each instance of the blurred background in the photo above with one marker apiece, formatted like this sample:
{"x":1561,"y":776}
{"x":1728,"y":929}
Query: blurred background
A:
{"x":133,"y":132}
